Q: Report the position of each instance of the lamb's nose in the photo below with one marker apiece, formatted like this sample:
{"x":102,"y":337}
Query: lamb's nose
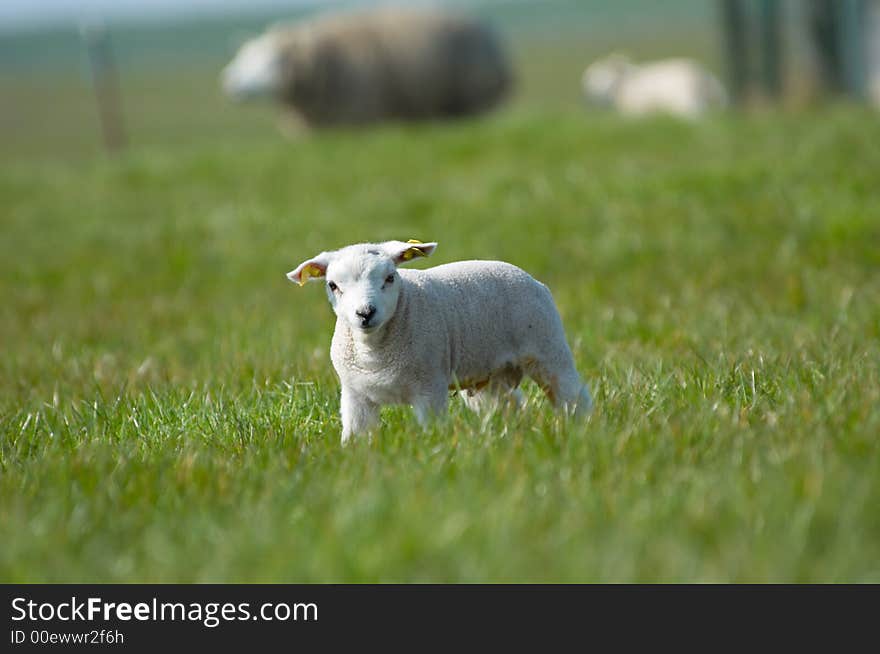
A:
{"x":366,"y":313}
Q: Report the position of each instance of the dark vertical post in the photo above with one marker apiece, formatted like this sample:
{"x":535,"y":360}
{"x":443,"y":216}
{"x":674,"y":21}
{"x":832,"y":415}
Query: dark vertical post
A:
{"x":106,"y":86}
{"x":771,"y":48}
{"x":851,"y":37}
{"x":733,"y":24}
{"x":825,"y":34}
{"x":872,"y":52}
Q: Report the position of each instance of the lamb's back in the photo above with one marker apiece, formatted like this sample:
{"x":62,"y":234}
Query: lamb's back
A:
{"x":493,"y":313}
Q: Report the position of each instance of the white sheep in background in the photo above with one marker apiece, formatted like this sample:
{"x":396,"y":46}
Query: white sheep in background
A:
{"x":680,"y":87}
{"x":366,"y":66}
{"x":412,"y":336}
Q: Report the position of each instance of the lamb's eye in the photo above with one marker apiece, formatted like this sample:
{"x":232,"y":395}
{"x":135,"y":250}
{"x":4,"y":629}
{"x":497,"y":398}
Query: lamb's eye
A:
{"x":332,"y":286}
{"x":389,"y":279}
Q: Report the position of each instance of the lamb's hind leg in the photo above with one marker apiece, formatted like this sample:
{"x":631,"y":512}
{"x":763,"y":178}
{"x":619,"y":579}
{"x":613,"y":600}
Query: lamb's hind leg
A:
{"x":563,"y":385}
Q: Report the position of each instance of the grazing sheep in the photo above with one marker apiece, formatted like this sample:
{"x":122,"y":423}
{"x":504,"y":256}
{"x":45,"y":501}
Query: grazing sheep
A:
{"x":680,"y":87}
{"x":411,"y":336}
{"x":364,"y":67}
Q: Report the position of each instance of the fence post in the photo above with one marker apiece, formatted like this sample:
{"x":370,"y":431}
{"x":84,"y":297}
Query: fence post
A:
{"x":106,"y":86}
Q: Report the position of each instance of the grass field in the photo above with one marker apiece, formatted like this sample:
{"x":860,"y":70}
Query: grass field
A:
{"x":169,"y":412}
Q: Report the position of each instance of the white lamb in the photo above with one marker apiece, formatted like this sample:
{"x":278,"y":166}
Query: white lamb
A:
{"x":412,"y":336}
{"x":680,"y":87}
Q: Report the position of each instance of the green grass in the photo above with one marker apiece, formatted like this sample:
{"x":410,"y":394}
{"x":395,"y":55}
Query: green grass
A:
{"x":168,"y":411}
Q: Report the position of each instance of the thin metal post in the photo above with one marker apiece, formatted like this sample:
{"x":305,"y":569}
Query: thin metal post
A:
{"x":106,"y":86}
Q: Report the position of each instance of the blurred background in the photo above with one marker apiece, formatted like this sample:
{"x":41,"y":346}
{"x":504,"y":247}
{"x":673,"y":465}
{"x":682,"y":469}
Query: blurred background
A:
{"x":168,"y":56}
{"x":168,"y":411}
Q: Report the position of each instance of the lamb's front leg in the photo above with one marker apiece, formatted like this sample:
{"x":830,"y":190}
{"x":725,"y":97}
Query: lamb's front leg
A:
{"x":431,"y":403}
{"x":359,"y":413}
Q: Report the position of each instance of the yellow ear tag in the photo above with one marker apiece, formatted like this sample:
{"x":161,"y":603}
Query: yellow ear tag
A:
{"x":309,"y":271}
{"x":412,"y":252}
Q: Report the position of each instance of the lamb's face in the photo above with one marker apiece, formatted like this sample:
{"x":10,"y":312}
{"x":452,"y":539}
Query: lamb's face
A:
{"x":363,"y":289}
{"x":255,"y":71}
{"x":362,"y":281}
{"x":601,"y":79}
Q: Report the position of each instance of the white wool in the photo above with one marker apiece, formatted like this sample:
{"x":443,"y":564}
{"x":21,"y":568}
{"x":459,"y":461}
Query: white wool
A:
{"x":412,"y":336}
{"x":256,"y":70}
{"x":680,"y":87}
{"x":372,"y":65}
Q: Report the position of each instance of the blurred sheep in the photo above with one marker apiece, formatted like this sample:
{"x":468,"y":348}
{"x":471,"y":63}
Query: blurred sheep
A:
{"x":370,"y":66}
{"x":680,"y":87}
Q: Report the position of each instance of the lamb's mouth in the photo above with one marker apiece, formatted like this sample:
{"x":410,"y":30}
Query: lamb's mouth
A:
{"x":368,"y":329}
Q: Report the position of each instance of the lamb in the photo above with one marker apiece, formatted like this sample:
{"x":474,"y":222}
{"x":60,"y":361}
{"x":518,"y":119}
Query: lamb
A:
{"x":412,"y":336}
{"x":363,"y":67}
{"x":680,"y":87}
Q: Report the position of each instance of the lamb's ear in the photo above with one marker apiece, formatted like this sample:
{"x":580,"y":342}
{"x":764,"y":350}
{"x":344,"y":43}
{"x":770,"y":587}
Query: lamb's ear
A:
{"x":401,"y":252}
{"x":310,"y":269}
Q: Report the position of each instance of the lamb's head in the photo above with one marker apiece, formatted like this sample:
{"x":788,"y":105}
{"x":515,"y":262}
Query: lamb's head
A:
{"x":256,"y":70}
{"x":602,"y":78}
{"x":362,"y":282}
